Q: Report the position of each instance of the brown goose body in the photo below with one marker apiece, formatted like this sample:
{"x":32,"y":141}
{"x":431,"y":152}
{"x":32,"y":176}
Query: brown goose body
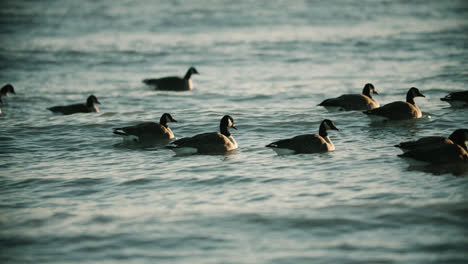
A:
{"x":399,"y":110}
{"x":208,"y":143}
{"x":349,"y":102}
{"x":88,"y":107}
{"x":308,"y":143}
{"x":446,"y":152}
{"x":173,"y":83}
{"x":458,"y":137}
{"x":149,"y":131}
{"x":438,"y":150}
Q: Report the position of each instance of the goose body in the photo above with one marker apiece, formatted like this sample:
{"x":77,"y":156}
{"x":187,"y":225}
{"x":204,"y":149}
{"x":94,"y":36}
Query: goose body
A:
{"x":349,"y":102}
{"x":173,"y":83}
{"x":208,"y":143}
{"x":446,"y":152}
{"x":308,"y":143}
{"x":457,"y":99}
{"x":438,"y":150}
{"x":458,"y":137}
{"x":88,"y":107}
{"x":148,"y":131}
{"x":399,"y":110}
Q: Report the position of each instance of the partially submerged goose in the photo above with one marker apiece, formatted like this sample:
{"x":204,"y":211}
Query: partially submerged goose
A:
{"x":458,"y":137}
{"x":349,"y":102}
{"x":309,"y":143}
{"x":208,"y":143}
{"x":400,"y":110}
{"x":6,"y":89}
{"x":149,"y":131}
{"x":457,"y":99}
{"x":87,"y":107}
{"x":173,"y":83}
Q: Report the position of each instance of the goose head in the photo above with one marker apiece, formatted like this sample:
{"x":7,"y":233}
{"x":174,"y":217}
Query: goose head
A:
{"x":369,"y":89}
{"x":325,"y":126}
{"x":412,"y":93}
{"x":166,"y":118}
{"x":92,"y":100}
{"x":7,"y":88}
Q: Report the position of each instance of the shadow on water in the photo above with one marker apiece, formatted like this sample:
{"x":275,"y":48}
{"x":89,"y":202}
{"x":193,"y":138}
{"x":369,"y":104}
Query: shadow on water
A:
{"x":456,"y":169}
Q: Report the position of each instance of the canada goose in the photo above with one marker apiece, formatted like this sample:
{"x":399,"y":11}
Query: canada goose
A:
{"x":87,"y":107}
{"x":149,"y":131}
{"x":458,"y":137}
{"x":441,"y":153}
{"x":399,"y":110}
{"x":457,"y":99}
{"x":349,"y":102}
{"x":208,"y":143}
{"x":173,"y":83}
{"x":7,"y":88}
{"x":309,"y":143}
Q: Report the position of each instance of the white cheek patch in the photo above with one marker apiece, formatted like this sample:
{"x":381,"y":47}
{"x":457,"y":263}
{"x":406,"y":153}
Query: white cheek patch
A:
{"x":230,"y":124}
{"x":327,"y":126}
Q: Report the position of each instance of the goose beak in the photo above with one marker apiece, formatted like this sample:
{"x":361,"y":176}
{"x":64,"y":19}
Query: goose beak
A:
{"x":97,"y":102}
{"x":234,"y":127}
{"x":375,"y":92}
{"x":175,"y":121}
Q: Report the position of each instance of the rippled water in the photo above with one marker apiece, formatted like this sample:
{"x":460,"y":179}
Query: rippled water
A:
{"x":70,"y":192}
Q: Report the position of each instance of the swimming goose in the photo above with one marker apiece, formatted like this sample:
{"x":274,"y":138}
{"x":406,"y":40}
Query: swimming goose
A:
{"x":309,"y":143}
{"x":458,"y":137}
{"x":441,"y":153}
{"x":173,"y":83}
{"x":7,"y":88}
{"x":349,"y":102}
{"x":399,"y":110}
{"x":457,"y":99}
{"x":87,"y":107}
{"x":208,"y":143}
{"x":149,"y":131}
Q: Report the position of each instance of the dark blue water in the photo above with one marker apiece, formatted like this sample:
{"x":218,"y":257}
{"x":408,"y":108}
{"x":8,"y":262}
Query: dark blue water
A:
{"x":71,"y":192}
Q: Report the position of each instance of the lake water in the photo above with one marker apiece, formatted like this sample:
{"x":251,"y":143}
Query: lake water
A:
{"x":71,"y":192}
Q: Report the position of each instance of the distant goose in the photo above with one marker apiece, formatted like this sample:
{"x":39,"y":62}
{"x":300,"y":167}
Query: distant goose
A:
{"x":445,"y":151}
{"x":400,"y":110}
{"x":7,"y":88}
{"x":87,"y":107}
{"x":208,"y":143}
{"x":349,"y":102}
{"x":149,"y":131}
{"x":457,"y":99}
{"x":309,"y":143}
{"x":458,"y":137}
{"x":173,"y":83}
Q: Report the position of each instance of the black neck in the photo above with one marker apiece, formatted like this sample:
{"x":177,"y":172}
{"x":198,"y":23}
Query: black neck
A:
{"x":366,"y":91}
{"x":188,"y":74}
{"x":323,"y":130}
{"x":163,"y":121}
{"x":410,"y":98}
{"x":224,"y":130}
{"x":458,"y":137}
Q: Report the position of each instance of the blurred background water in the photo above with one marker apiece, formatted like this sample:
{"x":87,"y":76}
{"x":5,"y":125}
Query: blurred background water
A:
{"x":70,"y":192}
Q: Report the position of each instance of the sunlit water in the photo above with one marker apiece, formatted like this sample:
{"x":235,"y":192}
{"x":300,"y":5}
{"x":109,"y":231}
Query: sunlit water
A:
{"x":70,"y":192}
